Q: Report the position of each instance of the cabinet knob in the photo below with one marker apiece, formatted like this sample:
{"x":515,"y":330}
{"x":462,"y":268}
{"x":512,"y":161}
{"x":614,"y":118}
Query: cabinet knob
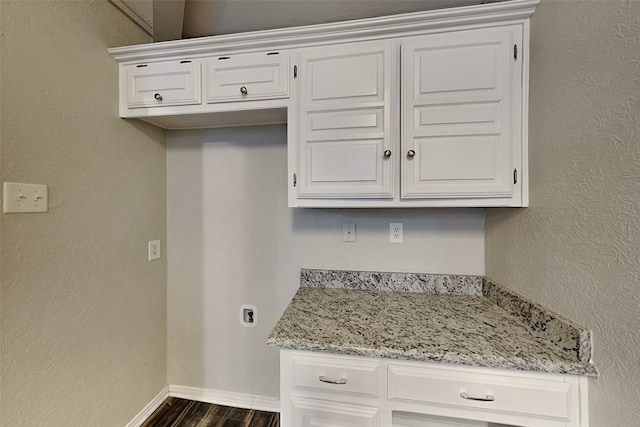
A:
{"x":387,"y":153}
{"x":158,"y":96}
{"x":411,"y":153}
{"x":243,"y":90}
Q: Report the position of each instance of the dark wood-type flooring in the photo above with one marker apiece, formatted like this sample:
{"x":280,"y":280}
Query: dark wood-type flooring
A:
{"x":176,"y":412}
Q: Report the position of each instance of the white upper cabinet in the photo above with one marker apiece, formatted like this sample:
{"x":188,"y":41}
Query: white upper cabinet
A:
{"x":459,"y":140}
{"x":247,"y":77}
{"x":461,"y":107}
{"x":344,"y":121}
{"x":426,"y":109}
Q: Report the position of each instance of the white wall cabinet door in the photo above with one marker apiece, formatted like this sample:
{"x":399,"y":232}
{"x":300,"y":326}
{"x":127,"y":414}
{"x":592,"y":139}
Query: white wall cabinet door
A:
{"x":346,"y":143}
{"x":461,"y":112}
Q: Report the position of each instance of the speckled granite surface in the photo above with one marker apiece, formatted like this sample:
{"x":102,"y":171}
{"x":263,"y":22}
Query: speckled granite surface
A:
{"x":550,"y":326}
{"x":383,"y":281}
{"x":456,"y":328}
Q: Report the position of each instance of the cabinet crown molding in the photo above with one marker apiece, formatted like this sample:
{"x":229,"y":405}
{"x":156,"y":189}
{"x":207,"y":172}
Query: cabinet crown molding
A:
{"x":335,"y":32}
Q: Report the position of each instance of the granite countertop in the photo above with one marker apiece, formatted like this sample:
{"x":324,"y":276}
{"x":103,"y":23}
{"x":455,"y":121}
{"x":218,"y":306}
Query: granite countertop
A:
{"x":457,"y":326}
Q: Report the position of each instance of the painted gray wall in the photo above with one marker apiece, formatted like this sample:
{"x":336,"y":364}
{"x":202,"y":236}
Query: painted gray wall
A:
{"x":82,"y":311}
{"x":232,"y":240}
{"x":577,"y":248}
{"x":215,"y":17}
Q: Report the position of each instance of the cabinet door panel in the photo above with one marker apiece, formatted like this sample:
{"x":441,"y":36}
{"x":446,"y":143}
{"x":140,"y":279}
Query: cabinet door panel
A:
{"x":345,"y":121}
{"x":336,"y":122}
{"x":351,"y":167}
{"x":344,"y":75}
{"x":461,"y":68}
{"x":452,"y":118}
{"x":458,"y":108}
{"x":321,"y":413}
{"x":455,"y":164}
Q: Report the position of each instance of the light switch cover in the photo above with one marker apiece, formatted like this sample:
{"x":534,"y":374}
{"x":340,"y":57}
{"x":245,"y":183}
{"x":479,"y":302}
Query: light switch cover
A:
{"x":24,"y":198}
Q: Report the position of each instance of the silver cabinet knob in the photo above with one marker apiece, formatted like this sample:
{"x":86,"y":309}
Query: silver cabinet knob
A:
{"x":387,"y":153}
{"x":158,"y":96}
{"x":243,"y":90}
{"x":411,"y":153}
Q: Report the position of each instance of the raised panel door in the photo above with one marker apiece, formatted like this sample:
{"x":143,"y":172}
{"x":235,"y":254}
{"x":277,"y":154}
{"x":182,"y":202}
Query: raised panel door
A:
{"x":345,"y":145}
{"x":460,"y":97}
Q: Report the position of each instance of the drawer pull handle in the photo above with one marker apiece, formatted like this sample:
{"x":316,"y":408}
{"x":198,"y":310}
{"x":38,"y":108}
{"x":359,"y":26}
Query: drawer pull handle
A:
{"x":324,"y":379}
{"x":158,"y":96}
{"x":487,"y":398}
{"x":243,"y":90}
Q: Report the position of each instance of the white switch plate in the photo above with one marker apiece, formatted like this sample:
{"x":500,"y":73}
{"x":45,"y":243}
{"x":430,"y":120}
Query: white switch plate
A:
{"x":155,"y":250}
{"x":24,"y":198}
{"x":396,"y":234}
{"x":348,"y":232}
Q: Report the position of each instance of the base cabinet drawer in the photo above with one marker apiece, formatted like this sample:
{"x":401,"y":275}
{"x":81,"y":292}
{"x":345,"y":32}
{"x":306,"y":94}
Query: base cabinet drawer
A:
{"x":323,"y":413}
{"x":335,"y":375}
{"x":513,"y":394}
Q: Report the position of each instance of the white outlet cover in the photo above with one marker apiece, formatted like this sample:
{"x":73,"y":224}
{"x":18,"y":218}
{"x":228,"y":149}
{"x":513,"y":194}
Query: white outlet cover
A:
{"x":396,"y":232}
{"x":24,"y":198}
{"x":348,"y":232}
{"x":155,"y":250}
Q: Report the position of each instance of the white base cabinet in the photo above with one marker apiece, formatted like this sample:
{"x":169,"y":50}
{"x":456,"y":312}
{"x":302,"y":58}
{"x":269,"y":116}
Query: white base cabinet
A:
{"x":320,"y":389}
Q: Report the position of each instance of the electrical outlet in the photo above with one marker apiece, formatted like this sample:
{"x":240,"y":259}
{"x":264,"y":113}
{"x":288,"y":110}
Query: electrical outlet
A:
{"x":348,"y":232}
{"x":155,"y":251}
{"x":396,"y":234}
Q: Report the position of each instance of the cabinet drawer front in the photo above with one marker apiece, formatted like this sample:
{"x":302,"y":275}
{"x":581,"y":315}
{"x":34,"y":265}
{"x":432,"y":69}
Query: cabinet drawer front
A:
{"x":498,"y":392}
{"x":162,"y":84}
{"x":335,"y":374}
{"x":322,"y":413}
{"x":247,"y":77}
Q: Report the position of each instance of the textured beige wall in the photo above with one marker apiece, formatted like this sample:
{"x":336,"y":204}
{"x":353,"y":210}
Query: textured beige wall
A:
{"x":83,"y":313}
{"x":577,"y":248}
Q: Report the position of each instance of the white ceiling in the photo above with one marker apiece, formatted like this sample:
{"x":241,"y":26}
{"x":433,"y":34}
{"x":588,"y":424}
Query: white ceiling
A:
{"x":215,"y":17}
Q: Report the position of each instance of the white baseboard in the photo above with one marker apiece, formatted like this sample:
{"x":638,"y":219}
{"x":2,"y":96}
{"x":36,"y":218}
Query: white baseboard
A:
{"x":226,"y":398}
{"x":148,"y":410}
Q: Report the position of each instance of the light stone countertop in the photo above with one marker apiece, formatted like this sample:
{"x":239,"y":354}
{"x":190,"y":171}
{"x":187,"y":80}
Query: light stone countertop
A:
{"x":447,"y":328}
